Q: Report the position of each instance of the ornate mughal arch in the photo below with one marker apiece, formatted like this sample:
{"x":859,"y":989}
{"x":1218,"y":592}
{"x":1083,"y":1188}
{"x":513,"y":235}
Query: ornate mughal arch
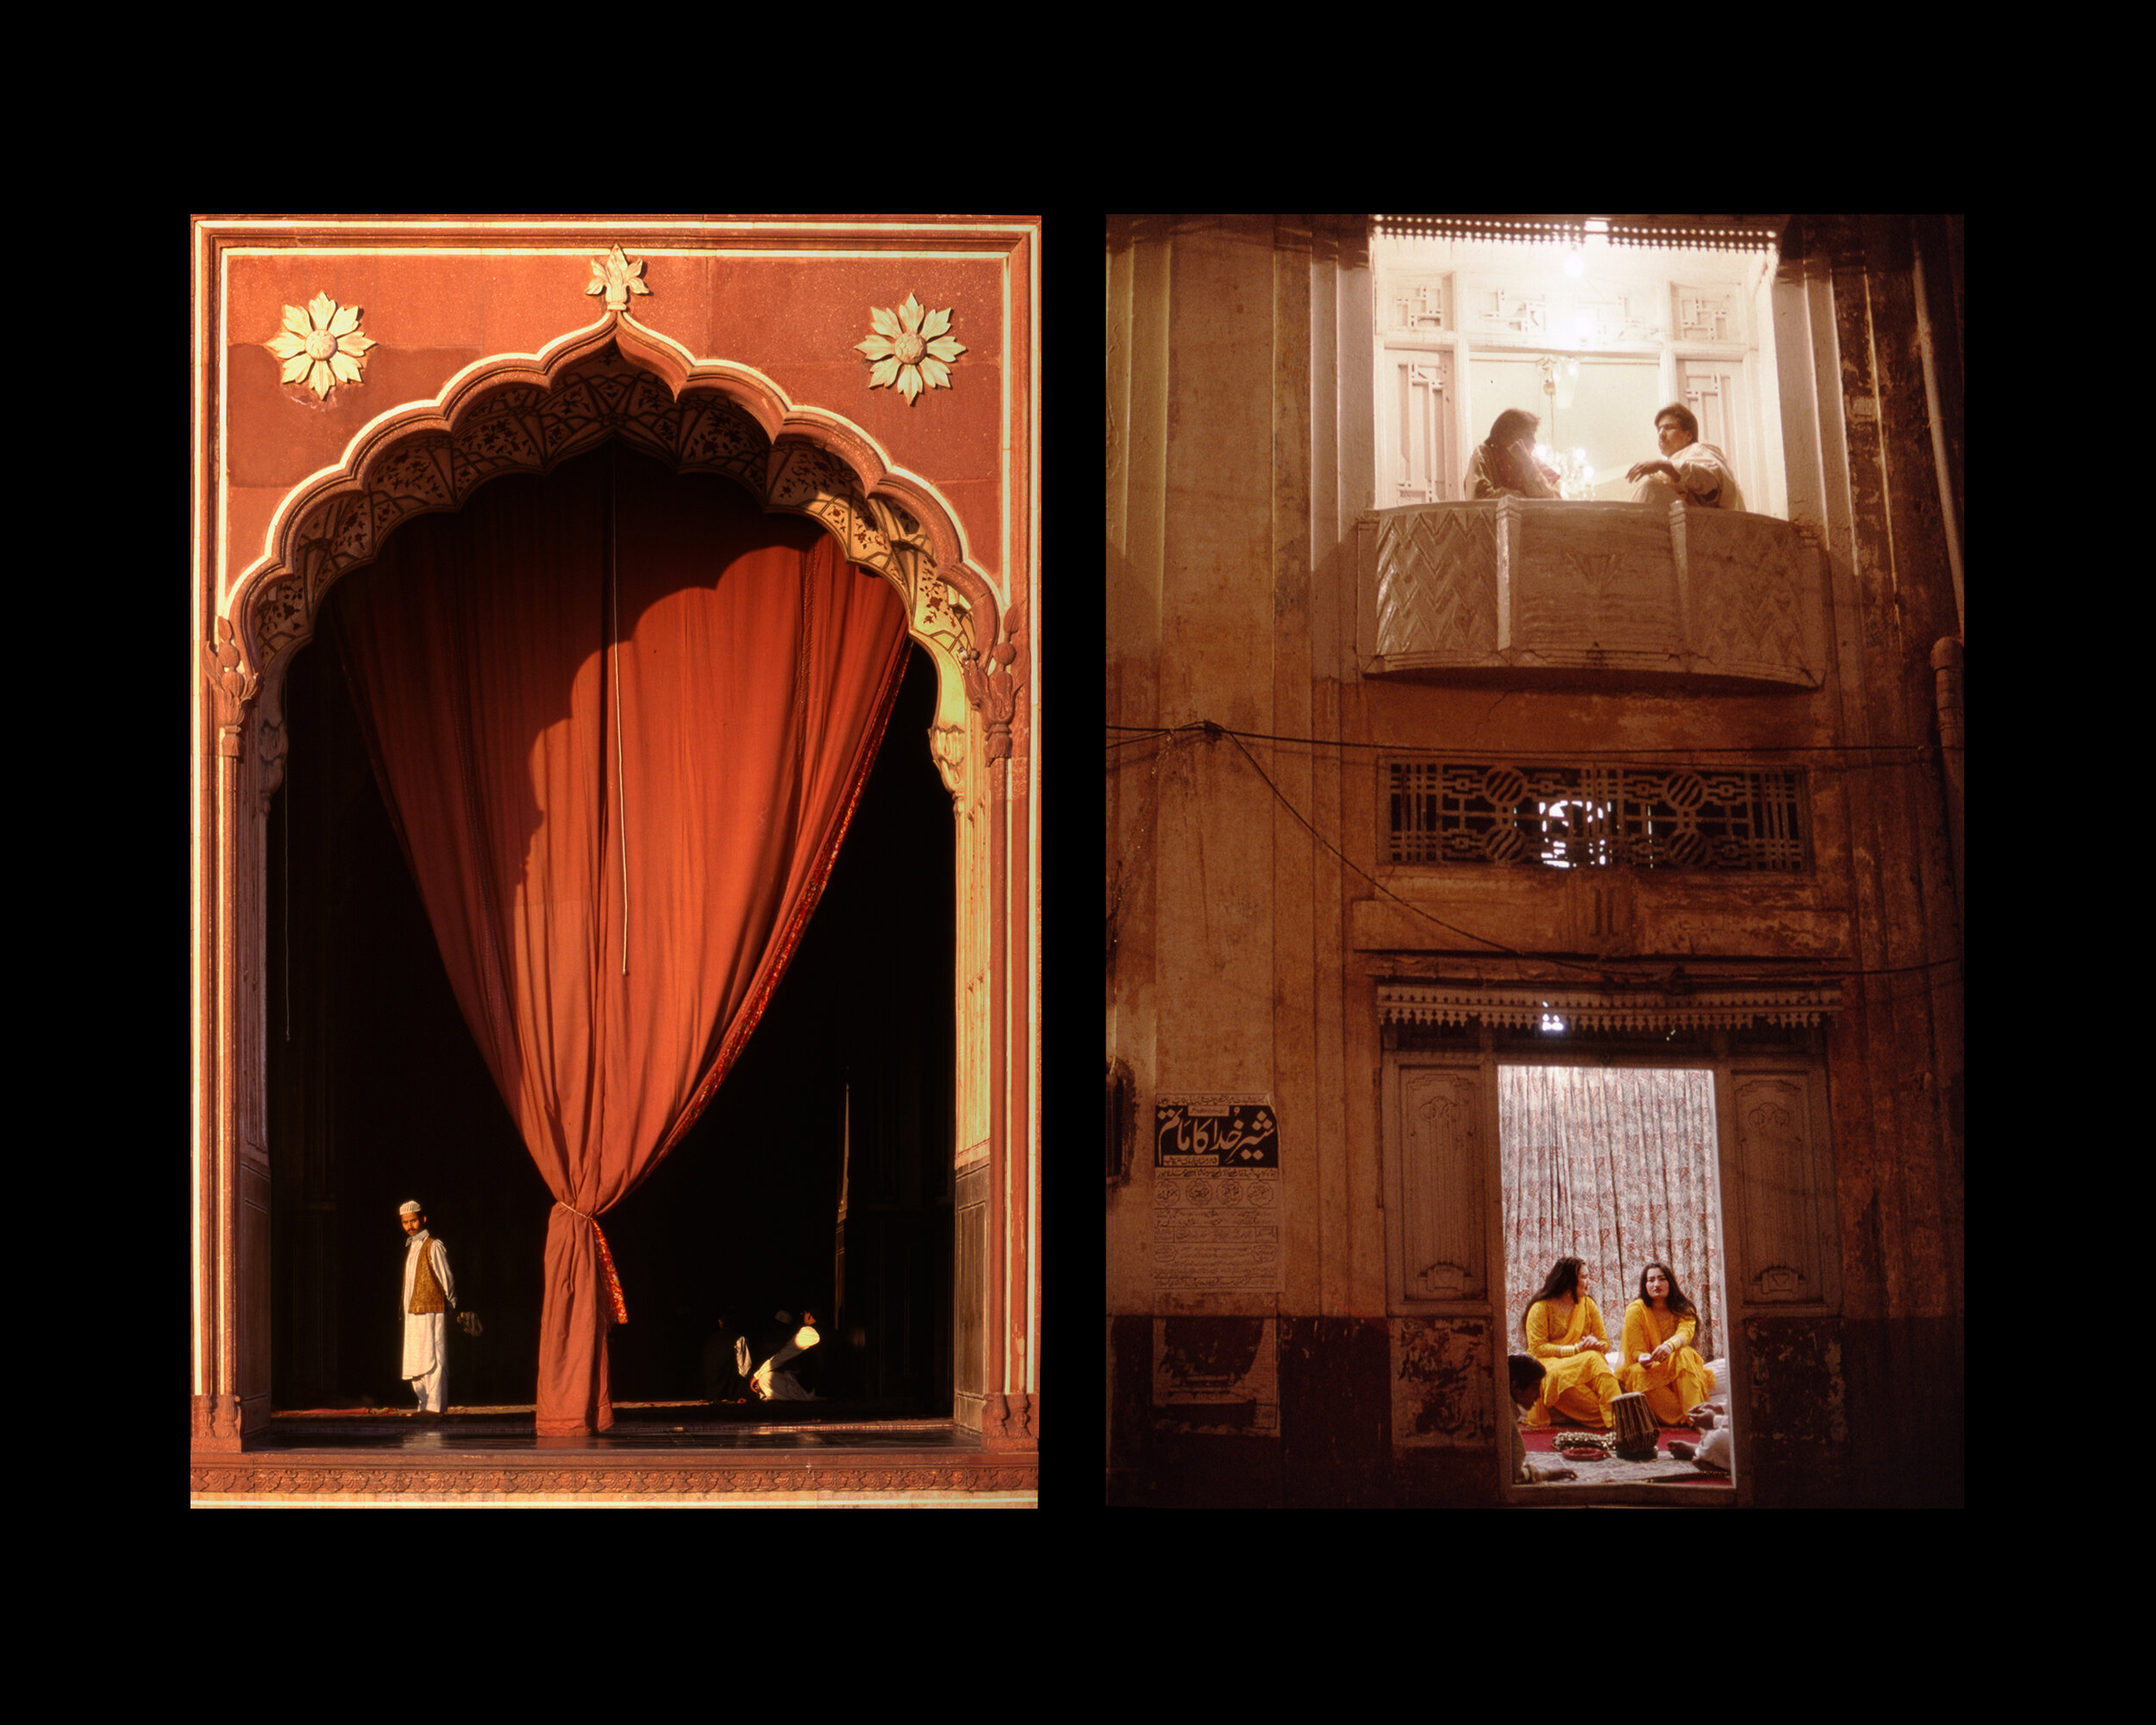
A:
{"x":525,"y":413}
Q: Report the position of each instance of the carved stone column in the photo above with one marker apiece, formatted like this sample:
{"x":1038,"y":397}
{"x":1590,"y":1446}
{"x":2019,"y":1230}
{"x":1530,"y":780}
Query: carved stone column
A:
{"x":215,"y":1420}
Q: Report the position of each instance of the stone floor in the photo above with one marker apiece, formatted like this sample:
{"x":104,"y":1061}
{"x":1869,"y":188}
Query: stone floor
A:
{"x":638,"y":1425}
{"x":451,"y":1434}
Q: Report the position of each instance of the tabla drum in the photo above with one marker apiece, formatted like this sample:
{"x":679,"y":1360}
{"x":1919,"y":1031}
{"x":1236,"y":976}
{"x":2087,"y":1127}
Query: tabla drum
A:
{"x":1636,"y":1427}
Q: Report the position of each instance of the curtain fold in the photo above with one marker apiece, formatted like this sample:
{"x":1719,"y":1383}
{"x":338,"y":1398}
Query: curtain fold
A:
{"x":614,"y":714}
{"x":1615,"y":1166}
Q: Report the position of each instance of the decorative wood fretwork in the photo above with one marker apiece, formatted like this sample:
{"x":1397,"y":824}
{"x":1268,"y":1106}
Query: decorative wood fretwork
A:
{"x":1597,"y":1009}
{"x":1709,"y":313}
{"x":1417,"y":302}
{"x":1586,"y":815}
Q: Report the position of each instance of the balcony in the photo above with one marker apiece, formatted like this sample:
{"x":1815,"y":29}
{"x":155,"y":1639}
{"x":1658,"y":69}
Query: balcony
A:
{"x":1557,"y":592}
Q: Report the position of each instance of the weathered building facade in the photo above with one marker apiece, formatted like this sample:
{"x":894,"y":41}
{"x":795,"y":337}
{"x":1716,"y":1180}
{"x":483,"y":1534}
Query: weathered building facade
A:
{"x":1404,"y":786}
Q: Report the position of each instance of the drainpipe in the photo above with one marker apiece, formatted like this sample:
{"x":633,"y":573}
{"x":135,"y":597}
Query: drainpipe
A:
{"x":1946,"y":663}
{"x":1947,"y":653}
{"x":1939,"y":433}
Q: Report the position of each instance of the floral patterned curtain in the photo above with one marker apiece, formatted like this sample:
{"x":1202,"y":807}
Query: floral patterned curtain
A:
{"x":1615,"y":1166}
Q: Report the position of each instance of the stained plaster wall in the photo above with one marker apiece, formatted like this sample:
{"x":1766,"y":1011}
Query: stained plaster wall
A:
{"x":1244,"y":957}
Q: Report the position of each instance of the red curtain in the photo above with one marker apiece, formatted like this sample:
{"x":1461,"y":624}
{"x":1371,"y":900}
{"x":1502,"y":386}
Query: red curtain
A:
{"x":558,"y":794}
{"x":1615,"y":1166}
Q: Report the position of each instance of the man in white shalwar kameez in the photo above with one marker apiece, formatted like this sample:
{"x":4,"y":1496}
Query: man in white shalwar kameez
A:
{"x":430,"y":1296}
{"x":1699,"y":473}
{"x":773,"y":1385}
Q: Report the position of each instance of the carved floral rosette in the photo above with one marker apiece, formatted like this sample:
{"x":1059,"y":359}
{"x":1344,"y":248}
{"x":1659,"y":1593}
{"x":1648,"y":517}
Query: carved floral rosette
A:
{"x":528,"y":426}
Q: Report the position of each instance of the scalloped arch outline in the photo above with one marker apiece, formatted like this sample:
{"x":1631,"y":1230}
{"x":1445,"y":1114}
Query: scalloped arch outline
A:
{"x":740,"y":385}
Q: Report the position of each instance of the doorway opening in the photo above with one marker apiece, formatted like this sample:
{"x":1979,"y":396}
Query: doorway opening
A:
{"x":1618,"y":1166}
{"x":377,"y":1094}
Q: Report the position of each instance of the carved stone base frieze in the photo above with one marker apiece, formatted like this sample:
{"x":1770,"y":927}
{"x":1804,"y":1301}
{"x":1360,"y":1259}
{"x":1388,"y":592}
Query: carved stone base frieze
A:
{"x":517,"y":1473}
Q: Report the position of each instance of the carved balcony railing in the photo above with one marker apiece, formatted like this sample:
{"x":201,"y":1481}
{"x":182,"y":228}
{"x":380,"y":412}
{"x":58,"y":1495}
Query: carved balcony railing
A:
{"x":1517,"y":584}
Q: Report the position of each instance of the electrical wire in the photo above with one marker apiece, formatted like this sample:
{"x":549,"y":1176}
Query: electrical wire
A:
{"x":1142,"y":733}
{"x":1603,"y":973}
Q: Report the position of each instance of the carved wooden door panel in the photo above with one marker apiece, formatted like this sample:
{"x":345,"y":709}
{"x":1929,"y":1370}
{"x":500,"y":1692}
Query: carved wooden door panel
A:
{"x":1437,"y":1144}
{"x":1417,"y":462}
{"x":1712,"y":389}
{"x":1780,"y":1204}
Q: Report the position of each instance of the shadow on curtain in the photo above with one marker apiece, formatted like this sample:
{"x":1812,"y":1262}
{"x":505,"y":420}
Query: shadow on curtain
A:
{"x":620,"y":718}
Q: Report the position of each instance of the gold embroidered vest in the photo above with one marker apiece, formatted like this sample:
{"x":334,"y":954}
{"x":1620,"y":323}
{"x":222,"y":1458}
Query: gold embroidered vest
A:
{"x":426,"y":1289}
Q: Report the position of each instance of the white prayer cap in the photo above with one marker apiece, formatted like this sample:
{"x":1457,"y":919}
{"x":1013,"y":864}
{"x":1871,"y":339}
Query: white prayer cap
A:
{"x":409,"y":1210}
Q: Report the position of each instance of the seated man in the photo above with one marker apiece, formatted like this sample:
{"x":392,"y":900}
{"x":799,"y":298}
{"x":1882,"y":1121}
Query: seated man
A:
{"x":1713,"y":1453}
{"x":1505,"y":466}
{"x":1697,"y":471}
{"x":1525,"y":1376}
{"x":772,"y":1384}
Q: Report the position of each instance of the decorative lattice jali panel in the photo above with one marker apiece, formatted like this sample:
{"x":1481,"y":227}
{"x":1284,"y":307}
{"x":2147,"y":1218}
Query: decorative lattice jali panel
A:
{"x":1582,"y":816}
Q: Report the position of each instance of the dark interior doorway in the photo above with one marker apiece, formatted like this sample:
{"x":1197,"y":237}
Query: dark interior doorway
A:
{"x":377,"y":1094}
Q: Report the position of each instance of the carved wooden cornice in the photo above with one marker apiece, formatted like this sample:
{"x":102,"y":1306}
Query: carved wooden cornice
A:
{"x":349,"y":1472}
{"x":1606,"y":1009}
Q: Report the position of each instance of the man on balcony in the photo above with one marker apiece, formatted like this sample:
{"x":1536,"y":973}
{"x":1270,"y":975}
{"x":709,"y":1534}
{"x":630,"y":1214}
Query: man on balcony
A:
{"x":1505,"y":466}
{"x":1697,"y":471}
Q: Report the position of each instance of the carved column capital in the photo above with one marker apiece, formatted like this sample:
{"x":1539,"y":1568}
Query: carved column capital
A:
{"x":1000,"y":687}
{"x":232,"y":687}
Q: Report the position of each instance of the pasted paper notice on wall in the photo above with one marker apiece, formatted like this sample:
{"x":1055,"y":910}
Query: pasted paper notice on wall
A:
{"x":1216,"y":1193}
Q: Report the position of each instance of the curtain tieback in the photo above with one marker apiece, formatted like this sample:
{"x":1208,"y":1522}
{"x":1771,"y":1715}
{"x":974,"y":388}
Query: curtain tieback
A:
{"x":605,"y":1258}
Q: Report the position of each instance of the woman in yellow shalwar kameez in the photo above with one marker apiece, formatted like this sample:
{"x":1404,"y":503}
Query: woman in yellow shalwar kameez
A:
{"x":1660,"y":1361}
{"x":1565,"y":1332}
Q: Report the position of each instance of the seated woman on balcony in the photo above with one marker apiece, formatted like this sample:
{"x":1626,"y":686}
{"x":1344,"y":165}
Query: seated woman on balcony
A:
{"x":1697,"y":471}
{"x":1660,"y":1361}
{"x":1564,"y":1330}
{"x":1506,"y":466}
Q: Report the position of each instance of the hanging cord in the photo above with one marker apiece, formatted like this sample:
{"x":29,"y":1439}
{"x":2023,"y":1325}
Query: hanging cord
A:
{"x":613,"y":564}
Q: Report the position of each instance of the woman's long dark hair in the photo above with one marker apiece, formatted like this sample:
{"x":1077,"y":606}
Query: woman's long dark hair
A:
{"x":1677,"y":1301}
{"x":1511,"y":425}
{"x":1563,"y":1278}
